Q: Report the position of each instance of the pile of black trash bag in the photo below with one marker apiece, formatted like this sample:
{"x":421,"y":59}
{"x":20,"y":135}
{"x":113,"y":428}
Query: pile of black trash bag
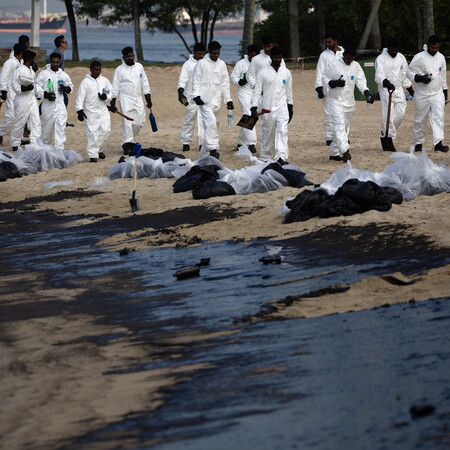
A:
{"x":8,"y":170}
{"x":205,"y":181}
{"x":353,"y":197}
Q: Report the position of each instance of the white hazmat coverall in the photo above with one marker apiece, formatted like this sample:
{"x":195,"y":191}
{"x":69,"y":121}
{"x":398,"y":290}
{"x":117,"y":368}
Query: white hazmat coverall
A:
{"x":325,"y":59}
{"x":342,"y":100}
{"x":54,"y":113}
{"x":130,"y":83}
{"x":211,"y":82}
{"x":98,"y":122}
{"x":277,"y":88}
{"x":8,"y":69}
{"x":393,"y":69}
{"x":429,"y":98}
{"x":26,"y":107}
{"x":191,"y":111}
{"x":244,"y":94}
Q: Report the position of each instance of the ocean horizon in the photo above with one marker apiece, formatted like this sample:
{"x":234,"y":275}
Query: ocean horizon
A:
{"x":105,"y":44}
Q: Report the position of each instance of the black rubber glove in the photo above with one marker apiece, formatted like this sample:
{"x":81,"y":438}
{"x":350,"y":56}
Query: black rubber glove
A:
{"x":198,"y":100}
{"x":254,"y":111}
{"x":66,"y":89}
{"x":4,"y":95}
{"x":243,"y":81}
{"x":112,"y":106}
{"x":35,"y":67}
{"x":27,"y":88}
{"x":182,"y":98}
{"x":422,"y":79}
{"x":411,"y":91}
{"x":50,"y":96}
{"x":148,"y":99}
{"x":319,"y":91}
{"x":291,"y":111}
{"x":230,"y":105}
{"x":102,"y":96}
{"x":369,"y":97}
{"x":81,"y":115}
{"x":388,"y":85}
{"x":445,"y":94}
{"x":336,"y":83}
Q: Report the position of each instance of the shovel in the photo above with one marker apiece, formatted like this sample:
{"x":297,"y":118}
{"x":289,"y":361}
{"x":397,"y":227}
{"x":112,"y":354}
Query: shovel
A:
{"x":249,"y":122}
{"x":386,"y":141}
{"x":133,"y":200}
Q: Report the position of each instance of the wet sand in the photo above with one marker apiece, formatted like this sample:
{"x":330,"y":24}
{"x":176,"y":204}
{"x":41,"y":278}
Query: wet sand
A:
{"x":58,"y":382}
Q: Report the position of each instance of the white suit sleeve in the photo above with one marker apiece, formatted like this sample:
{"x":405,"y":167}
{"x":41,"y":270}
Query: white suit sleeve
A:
{"x":184,"y":76}
{"x":5,"y":76}
{"x":236,"y":74}
{"x":116,"y":83}
{"x":68,"y":81}
{"x":110,"y":94}
{"x":225,"y":84}
{"x":321,"y":66}
{"x":289,"y":96}
{"x":251,"y":75}
{"x":79,"y":102}
{"x":361,"y":82}
{"x":196,"y":79}
{"x":443,"y":73}
{"x":257,"y":91}
{"x":413,"y":68}
{"x":145,"y":84}
{"x":380,"y":73}
{"x":39,"y":87}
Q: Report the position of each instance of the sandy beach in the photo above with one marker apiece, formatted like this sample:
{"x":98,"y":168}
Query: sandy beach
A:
{"x":57,"y":384}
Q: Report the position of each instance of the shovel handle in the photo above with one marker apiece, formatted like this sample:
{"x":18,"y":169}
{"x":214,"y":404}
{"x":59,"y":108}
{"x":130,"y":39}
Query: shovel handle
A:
{"x":135,"y":174}
{"x":123,"y":115}
{"x":388,"y":118}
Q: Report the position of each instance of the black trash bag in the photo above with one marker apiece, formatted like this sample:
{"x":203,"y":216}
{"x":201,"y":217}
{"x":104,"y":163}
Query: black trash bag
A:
{"x":305,"y":205}
{"x":156,"y":153}
{"x":8,"y":170}
{"x":294,"y":178}
{"x":212,"y":188}
{"x":339,"y":205}
{"x":196,"y":176}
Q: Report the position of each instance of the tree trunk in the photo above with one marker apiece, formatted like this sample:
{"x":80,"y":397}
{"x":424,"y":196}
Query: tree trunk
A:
{"x":249,"y":23}
{"x":375,"y":35}
{"x":428,"y":18}
{"x":419,"y":24}
{"x":137,"y":30}
{"x":73,"y":29}
{"x":321,"y":19}
{"x":369,"y":24}
{"x":293,"y":28}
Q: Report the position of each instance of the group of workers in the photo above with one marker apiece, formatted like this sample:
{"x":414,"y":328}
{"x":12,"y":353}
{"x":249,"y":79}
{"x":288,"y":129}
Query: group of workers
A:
{"x":264,"y":91}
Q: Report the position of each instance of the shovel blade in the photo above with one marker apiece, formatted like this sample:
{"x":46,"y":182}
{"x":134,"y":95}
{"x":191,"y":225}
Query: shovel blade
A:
{"x":247,"y":122}
{"x":134,"y":203}
{"x":387,"y":144}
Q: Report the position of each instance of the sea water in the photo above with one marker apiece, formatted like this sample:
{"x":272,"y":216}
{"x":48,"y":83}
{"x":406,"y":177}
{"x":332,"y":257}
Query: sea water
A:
{"x":105,"y":44}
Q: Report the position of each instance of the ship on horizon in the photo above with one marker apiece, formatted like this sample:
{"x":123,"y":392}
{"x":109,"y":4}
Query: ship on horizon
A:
{"x":22,"y":24}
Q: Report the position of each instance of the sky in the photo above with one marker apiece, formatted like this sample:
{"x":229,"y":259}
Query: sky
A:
{"x":53,"y":6}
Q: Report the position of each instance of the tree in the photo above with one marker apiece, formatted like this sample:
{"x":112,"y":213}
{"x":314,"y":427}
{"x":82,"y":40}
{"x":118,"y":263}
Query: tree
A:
{"x":294,"y":28}
{"x":249,"y":24}
{"x":73,"y":29}
{"x":428,"y":18}
{"x":369,"y":24}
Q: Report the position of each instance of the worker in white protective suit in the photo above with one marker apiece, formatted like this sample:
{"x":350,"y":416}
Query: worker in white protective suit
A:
{"x":6,"y":90}
{"x":429,"y":70}
{"x":244,"y":93}
{"x":51,"y":84}
{"x":390,"y":76}
{"x":276,"y":83}
{"x":331,"y":54}
{"x":260,"y":60}
{"x":209,"y":84}
{"x":130,"y":83}
{"x":339,"y":80}
{"x":26,"y":107}
{"x":93,"y":93}
{"x":191,"y":110}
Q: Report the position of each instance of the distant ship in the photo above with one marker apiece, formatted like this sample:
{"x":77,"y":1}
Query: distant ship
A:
{"x":22,"y":24}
